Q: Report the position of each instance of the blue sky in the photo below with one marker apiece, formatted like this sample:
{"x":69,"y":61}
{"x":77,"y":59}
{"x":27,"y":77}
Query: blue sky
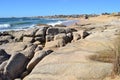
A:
{"x":19,"y":8}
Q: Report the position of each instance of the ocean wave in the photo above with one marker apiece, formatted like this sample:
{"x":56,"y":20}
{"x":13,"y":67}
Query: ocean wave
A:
{"x":66,"y":23}
{"x":5,"y":25}
{"x":29,"y":26}
{"x":20,"y":23}
{"x":13,"y":24}
{"x":24,"y":26}
{"x":17,"y":28}
{"x":55,"y":23}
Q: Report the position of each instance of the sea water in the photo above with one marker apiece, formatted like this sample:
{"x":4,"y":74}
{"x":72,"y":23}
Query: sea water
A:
{"x":7,"y":24}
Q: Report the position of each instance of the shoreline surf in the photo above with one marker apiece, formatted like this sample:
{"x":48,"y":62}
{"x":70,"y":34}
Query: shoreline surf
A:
{"x":23,"y":25}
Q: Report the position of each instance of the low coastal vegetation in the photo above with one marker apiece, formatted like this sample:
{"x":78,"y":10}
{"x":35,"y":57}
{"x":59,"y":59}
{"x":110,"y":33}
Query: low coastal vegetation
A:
{"x":111,"y":55}
{"x":107,"y":56}
{"x":116,"y":62}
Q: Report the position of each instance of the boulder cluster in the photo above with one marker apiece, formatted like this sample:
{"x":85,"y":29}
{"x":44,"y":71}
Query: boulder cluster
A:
{"x":24,"y":49}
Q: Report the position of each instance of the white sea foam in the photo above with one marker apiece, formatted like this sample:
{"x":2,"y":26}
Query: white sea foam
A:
{"x":33,"y":25}
{"x":17,"y":28}
{"x":23,"y":25}
{"x":55,"y":23}
{"x":67,"y":23}
{"x":5,"y":25}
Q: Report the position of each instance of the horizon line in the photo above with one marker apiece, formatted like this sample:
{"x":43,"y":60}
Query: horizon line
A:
{"x":58,"y":15}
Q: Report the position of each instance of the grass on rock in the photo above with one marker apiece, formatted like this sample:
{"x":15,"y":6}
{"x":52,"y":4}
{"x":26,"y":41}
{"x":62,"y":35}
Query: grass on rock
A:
{"x":111,"y":55}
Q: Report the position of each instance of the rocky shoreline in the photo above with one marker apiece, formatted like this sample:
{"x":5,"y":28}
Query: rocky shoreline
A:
{"x":30,"y":42}
{"x":22,"y":51}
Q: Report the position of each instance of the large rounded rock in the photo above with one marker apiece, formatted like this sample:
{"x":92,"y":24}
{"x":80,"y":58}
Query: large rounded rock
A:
{"x":3,"y":77}
{"x":40,"y":39}
{"x":60,"y":36}
{"x":63,"y":36}
{"x":55,"y":30}
{"x":49,"y":38}
{"x":30,"y":32}
{"x":41,"y":32}
{"x":69,"y":71}
{"x":67,"y":64}
{"x":3,"y":56}
{"x":37,"y":58}
{"x":69,"y":30}
{"x":18,"y":79}
{"x":18,"y":35}
{"x":69,"y":37}
{"x":55,"y":43}
{"x":37,"y":43}
{"x":5,"y":39}
{"x":11,"y":48}
{"x":16,"y":65}
{"x":3,"y":65}
{"x":28,"y":39}
{"x":81,"y":34}
{"x":38,"y":48}
{"x":29,"y":52}
{"x":5,"y":33}
{"x":76,"y":36}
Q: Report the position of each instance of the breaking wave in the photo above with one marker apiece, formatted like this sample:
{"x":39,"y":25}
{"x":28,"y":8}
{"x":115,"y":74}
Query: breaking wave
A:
{"x":55,"y":23}
{"x":4,"y":26}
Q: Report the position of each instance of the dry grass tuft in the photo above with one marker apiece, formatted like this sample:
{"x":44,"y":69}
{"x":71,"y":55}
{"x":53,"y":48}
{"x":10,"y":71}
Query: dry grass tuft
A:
{"x":107,"y":56}
{"x":110,"y":56}
{"x":116,"y":63}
